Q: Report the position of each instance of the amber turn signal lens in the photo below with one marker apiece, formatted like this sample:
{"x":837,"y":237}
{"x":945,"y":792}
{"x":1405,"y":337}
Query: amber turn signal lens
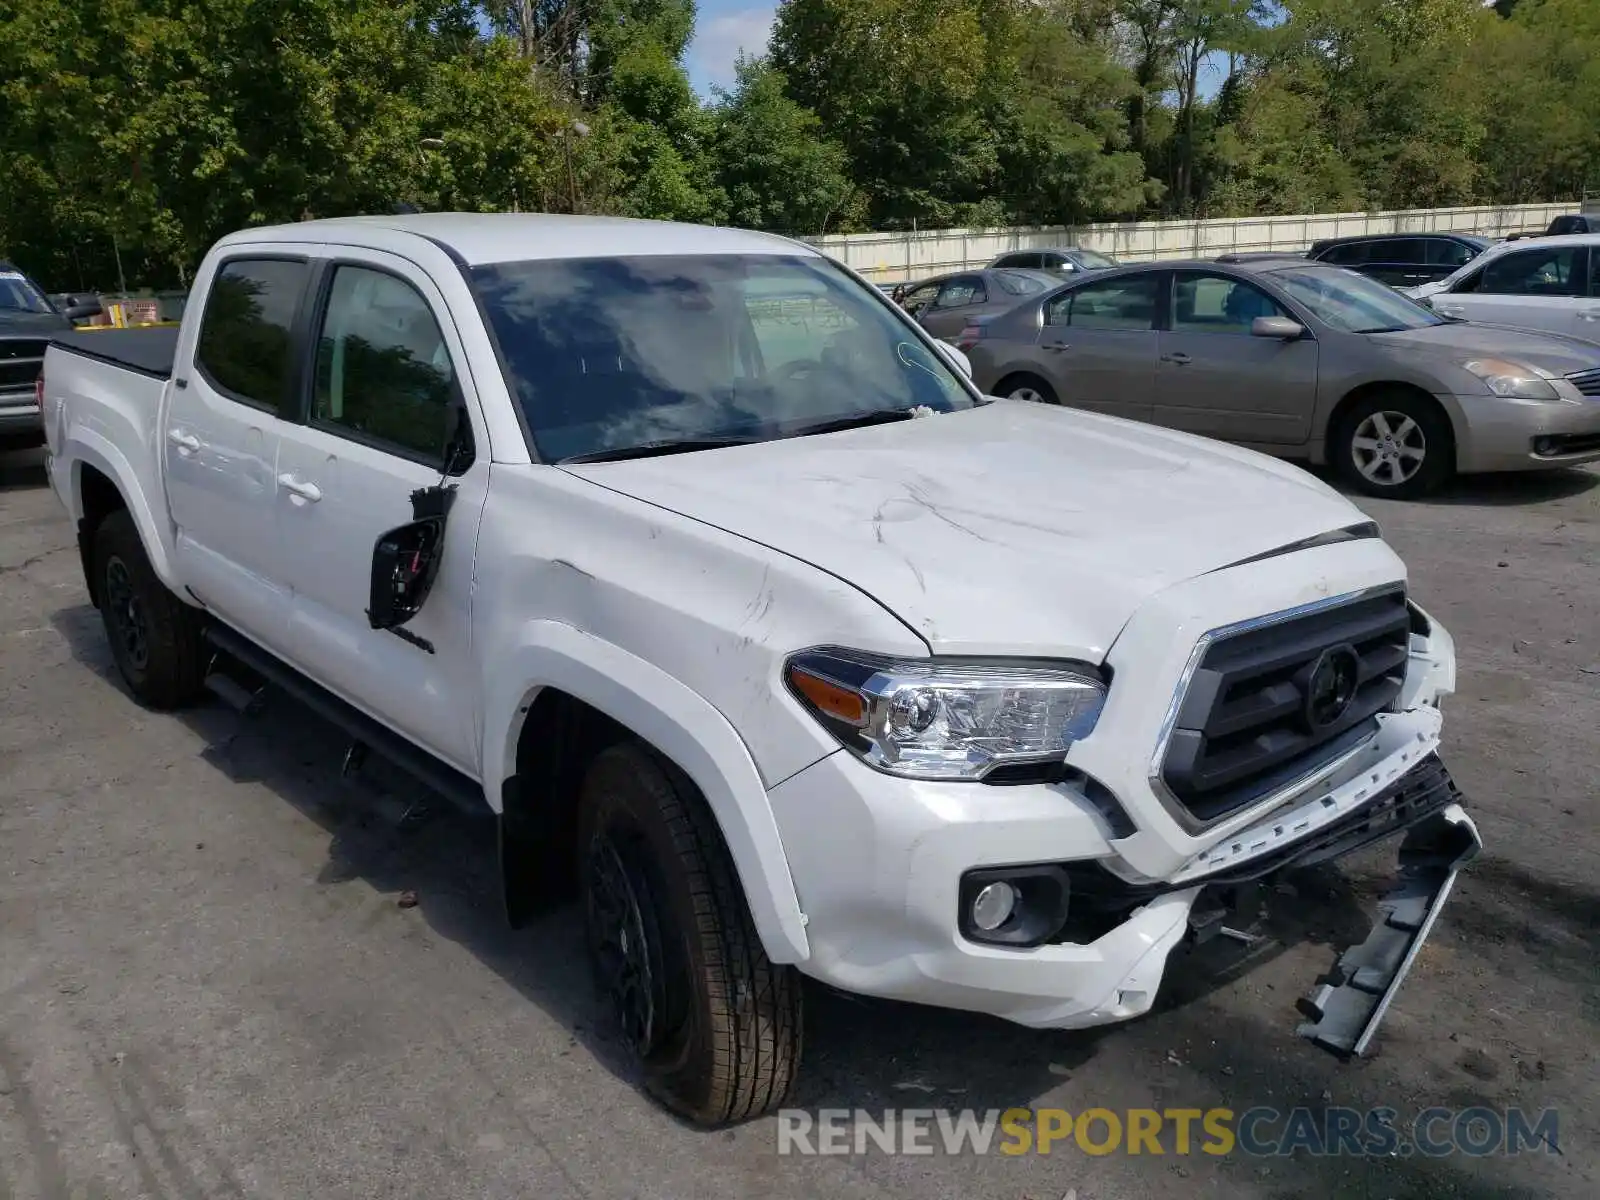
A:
{"x":829,"y":698}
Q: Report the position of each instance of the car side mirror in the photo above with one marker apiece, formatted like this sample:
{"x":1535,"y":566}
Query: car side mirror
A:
{"x":78,"y":310}
{"x":405,"y":561}
{"x":957,"y":357}
{"x":1281,"y":328}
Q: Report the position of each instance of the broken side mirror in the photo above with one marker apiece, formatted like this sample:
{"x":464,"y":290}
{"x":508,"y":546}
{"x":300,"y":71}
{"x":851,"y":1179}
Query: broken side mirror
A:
{"x":405,"y":561}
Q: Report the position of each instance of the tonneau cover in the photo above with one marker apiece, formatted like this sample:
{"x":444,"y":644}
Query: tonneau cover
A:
{"x":149,"y":351}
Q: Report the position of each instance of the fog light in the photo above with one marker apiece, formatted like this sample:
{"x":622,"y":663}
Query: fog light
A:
{"x":1545,"y":446}
{"x":994,"y":906}
{"x":1023,"y":905}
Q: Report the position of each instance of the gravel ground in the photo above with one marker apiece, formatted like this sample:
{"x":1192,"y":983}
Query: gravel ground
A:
{"x":210,"y":988}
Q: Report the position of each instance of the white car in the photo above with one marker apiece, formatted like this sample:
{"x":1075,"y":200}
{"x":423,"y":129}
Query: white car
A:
{"x":694,"y":561}
{"x":1545,"y":283}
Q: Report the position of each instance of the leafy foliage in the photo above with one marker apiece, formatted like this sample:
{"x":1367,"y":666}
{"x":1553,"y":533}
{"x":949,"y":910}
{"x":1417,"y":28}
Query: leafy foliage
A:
{"x":133,"y":133}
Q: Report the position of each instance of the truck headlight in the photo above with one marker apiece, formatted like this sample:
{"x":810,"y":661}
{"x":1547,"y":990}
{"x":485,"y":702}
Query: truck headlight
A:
{"x":946,"y":719}
{"x":1512,"y":380}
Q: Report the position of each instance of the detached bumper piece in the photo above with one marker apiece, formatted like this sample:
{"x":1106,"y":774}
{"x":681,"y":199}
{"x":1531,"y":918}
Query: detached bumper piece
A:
{"x":1345,"y":1011}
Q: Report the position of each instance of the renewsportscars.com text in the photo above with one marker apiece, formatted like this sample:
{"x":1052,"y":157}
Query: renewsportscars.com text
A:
{"x":1260,"y":1131}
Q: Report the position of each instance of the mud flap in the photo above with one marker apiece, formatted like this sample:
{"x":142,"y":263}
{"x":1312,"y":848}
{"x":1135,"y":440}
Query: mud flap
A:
{"x":1345,"y":1011}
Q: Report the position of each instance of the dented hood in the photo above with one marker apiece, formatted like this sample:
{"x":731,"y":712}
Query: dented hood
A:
{"x":1013,"y":528}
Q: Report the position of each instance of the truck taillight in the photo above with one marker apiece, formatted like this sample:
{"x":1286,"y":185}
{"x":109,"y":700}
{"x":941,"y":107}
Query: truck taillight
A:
{"x":968,"y":338}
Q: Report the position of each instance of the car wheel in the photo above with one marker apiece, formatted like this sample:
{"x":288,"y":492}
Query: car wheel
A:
{"x":1395,"y":445}
{"x":714,"y":1027}
{"x":1028,"y":387}
{"x":155,"y":637}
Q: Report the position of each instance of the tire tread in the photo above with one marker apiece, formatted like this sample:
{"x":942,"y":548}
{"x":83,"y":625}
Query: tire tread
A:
{"x":175,"y":675}
{"x":755,"y":1026}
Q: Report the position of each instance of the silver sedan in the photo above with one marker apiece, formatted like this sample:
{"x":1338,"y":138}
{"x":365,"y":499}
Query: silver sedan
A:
{"x":943,"y":306}
{"x":1303,"y":361}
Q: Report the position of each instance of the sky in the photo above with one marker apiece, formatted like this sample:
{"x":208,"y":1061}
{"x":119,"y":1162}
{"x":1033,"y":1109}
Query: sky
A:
{"x":722,"y":29}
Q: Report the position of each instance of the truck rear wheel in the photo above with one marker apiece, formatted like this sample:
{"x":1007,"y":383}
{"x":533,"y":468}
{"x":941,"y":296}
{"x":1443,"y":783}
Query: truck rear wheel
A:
{"x":713,"y":1025}
{"x":155,"y":637}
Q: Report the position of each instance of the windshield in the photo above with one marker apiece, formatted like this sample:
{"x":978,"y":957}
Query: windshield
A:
{"x":18,"y":293}
{"x":604,"y":354}
{"x":1354,"y":303}
{"x":1094,"y":260}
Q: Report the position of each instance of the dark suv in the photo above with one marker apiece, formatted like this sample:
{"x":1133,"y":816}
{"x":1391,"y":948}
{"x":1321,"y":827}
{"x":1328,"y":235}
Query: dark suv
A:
{"x":1401,"y":260}
{"x":28,"y":320}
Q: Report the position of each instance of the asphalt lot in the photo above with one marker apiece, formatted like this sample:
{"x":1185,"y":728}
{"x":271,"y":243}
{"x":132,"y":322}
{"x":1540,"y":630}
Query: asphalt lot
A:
{"x":209,"y":988}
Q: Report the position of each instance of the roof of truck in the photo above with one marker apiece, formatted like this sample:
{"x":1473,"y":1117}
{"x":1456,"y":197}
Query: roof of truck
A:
{"x":507,"y":237}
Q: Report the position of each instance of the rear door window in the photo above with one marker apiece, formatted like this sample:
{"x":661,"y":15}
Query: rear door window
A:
{"x":244,"y":345}
{"x":1023,"y":259}
{"x":962,"y":291}
{"x":1398,"y":250}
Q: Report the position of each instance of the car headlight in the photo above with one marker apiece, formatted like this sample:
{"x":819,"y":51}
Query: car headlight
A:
{"x":1513,"y":380}
{"x":946,"y":719}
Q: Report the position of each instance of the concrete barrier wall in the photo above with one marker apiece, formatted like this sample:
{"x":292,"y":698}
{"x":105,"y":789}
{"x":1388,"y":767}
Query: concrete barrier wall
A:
{"x":894,"y":257}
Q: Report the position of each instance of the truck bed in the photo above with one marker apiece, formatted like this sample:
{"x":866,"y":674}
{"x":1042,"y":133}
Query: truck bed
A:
{"x":148,"y":351}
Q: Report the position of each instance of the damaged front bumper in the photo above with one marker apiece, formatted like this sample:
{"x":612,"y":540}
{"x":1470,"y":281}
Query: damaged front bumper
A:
{"x":1351,"y":1001}
{"x":1239,"y":904}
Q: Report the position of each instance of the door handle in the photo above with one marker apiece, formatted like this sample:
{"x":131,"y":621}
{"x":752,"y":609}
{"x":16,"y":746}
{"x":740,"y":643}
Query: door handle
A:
{"x":1057,"y":347}
{"x":1589,"y":314}
{"x":306,"y":491}
{"x":1449,"y":310}
{"x":186,"y":443}
{"x":1178,"y":357}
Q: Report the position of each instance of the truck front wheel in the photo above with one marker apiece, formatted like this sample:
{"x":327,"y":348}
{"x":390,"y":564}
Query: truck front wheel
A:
{"x":155,"y":637}
{"x":713,"y":1025}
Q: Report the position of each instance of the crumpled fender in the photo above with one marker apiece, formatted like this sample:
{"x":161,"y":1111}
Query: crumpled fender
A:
{"x":675,"y":720}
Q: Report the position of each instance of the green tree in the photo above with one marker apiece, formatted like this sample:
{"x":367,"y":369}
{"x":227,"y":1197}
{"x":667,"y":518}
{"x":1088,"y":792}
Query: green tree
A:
{"x":1542,"y":69}
{"x":897,"y":84}
{"x":655,"y":135}
{"x":151,"y":127}
{"x":1059,"y":112}
{"x":774,"y":166}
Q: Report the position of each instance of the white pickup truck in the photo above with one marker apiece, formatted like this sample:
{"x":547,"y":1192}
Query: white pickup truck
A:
{"x":712,"y":576}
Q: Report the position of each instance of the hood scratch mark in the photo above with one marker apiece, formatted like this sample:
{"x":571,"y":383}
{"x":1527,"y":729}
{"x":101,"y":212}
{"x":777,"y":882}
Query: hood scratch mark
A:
{"x":917,"y":571}
{"x":935,"y":511}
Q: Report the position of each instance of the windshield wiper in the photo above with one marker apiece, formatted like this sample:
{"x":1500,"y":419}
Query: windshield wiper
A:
{"x":652,"y":449}
{"x":877,"y":416}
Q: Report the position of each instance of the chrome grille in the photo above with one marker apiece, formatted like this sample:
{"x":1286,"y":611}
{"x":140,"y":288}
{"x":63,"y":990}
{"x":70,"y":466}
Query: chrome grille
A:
{"x":21,"y":360}
{"x":1252,"y":721}
{"x":1587,"y":382}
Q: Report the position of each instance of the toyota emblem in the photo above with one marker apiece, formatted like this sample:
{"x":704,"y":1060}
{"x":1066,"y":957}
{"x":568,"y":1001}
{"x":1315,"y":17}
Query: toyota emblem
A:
{"x":1331,"y":687}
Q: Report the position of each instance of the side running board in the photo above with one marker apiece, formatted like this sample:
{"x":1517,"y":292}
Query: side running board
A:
{"x":1350,"y":1002}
